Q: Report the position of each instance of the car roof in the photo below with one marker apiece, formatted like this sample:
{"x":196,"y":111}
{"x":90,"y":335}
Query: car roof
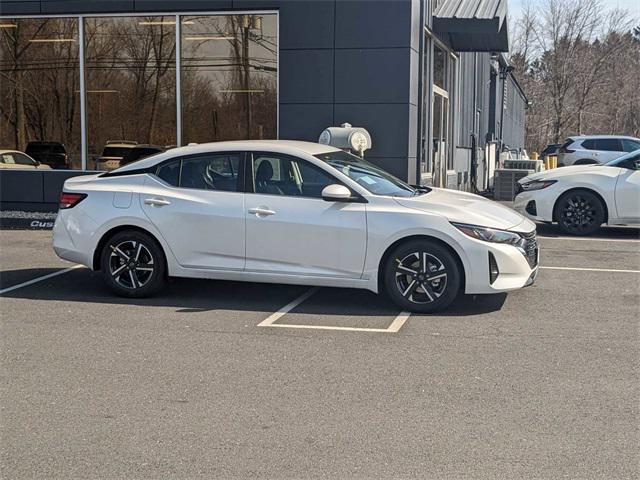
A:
{"x":119,"y":145}
{"x":290,"y":147}
{"x":595,"y":137}
{"x":12,"y":151}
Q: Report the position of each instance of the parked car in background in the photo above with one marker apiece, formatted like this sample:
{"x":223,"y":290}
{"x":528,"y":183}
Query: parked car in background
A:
{"x":140,"y":151}
{"x":12,"y":159}
{"x":551,"y":149}
{"x":585,"y":150}
{"x":290,"y":212}
{"x":583,"y":197}
{"x":113,"y":153}
{"x":53,"y":154}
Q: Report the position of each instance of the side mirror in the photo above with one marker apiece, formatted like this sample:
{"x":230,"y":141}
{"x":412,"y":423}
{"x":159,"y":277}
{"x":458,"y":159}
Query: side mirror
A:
{"x":635,"y":165}
{"x":336,"y":193}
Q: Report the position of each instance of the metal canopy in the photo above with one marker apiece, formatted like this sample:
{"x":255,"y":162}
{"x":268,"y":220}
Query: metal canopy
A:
{"x":473,"y":25}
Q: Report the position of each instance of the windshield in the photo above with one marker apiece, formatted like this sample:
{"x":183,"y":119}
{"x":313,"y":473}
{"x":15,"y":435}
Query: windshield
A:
{"x":372,"y":178}
{"x":629,"y":156}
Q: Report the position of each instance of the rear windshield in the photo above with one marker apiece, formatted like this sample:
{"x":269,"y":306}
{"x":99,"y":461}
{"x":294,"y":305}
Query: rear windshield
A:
{"x":115,"y":151}
{"x":45,"y":148}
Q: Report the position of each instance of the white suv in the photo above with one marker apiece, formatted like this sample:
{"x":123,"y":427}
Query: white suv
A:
{"x":584,"y":150}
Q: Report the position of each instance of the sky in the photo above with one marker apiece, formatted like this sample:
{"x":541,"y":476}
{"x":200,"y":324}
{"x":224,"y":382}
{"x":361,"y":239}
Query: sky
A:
{"x":515,"y":6}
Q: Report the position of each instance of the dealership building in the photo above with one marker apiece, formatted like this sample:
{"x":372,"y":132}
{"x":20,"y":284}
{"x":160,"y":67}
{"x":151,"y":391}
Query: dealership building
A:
{"x":428,"y":79}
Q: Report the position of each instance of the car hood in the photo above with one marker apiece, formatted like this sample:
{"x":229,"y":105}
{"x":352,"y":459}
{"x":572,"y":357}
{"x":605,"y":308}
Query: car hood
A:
{"x":463,"y":207}
{"x":556,"y":173}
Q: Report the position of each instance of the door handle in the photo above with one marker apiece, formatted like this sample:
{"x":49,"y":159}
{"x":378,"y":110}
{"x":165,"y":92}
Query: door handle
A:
{"x":261,"y":211}
{"x":158,"y":202}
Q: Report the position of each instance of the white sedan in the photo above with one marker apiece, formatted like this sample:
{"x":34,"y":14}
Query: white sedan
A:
{"x":582,"y":198}
{"x":12,"y":159}
{"x":290,"y":212}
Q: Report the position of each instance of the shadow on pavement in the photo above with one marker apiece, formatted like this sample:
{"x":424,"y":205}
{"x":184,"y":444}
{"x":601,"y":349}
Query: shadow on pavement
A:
{"x":611,"y":233}
{"x":192,"y":295}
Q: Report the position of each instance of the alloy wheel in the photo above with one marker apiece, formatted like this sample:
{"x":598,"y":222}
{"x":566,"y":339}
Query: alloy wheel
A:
{"x":420,"y":277}
{"x":131,"y":264}
{"x":579,"y":213}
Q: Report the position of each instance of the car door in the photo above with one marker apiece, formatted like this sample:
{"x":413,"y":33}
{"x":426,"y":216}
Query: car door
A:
{"x":291,"y":229}
{"x":197,"y":204}
{"x":628,"y":190}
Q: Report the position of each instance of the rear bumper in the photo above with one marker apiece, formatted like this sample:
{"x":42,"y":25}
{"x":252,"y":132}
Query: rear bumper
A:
{"x":68,"y":241}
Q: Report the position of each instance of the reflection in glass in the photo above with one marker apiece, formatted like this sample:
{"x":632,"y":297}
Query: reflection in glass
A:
{"x":39,"y":89}
{"x":229,"y":77}
{"x":440,"y":66}
{"x":130,"y":85}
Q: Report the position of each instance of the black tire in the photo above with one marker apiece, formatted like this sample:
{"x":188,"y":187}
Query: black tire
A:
{"x":133,"y":264}
{"x":405,"y":281}
{"x":579,"y":212}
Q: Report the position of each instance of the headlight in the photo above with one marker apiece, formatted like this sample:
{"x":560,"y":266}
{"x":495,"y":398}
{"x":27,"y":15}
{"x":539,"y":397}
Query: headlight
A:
{"x":490,"y":234}
{"x":536,"y":185}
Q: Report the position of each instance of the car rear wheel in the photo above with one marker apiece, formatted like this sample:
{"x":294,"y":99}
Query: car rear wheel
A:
{"x":579,"y":212}
{"x":422,"y":276}
{"x":133,"y":264}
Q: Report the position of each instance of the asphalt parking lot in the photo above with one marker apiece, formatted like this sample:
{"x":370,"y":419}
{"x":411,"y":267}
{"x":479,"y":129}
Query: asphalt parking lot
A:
{"x":230,"y":380}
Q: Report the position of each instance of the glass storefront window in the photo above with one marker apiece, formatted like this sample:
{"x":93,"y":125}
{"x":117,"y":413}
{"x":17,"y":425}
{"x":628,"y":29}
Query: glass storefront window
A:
{"x":227,"y":87}
{"x":130,"y":86}
{"x":39,"y":89}
{"x":440,"y":66}
{"x":229,"y":77}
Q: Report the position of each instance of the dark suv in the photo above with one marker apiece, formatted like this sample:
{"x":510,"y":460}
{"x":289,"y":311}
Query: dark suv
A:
{"x":140,"y":151}
{"x":53,"y":154}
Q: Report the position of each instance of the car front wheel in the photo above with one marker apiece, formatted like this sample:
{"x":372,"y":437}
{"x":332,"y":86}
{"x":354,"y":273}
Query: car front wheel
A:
{"x":133,"y":264}
{"x":422,"y":276}
{"x":579,"y":212}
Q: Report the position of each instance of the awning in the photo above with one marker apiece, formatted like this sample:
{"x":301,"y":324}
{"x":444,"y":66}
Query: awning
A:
{"x":472,"y":25}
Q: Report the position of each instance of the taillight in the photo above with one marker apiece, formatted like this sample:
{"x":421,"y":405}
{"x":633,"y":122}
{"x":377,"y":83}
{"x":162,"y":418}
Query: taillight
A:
{"x":70,"y":200}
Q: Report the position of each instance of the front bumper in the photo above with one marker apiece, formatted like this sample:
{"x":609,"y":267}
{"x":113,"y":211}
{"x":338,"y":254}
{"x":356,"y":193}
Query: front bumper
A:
{"x":516,"y":269}
{"x":544,"y":201}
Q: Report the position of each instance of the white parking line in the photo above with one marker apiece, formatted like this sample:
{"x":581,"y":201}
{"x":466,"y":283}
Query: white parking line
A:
{"x":395,"y":326}
{"x":267,"y":322}
{"x":578,"y":269}
{"x":39,"y":279}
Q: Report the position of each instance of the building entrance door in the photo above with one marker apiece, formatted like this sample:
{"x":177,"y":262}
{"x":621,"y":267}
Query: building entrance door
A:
{"x":440,"y":136}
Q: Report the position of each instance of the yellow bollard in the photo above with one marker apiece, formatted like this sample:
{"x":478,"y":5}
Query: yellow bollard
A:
{"x":547,"y":162}
{"x":535,"y":156}
{"x":553,"y":160}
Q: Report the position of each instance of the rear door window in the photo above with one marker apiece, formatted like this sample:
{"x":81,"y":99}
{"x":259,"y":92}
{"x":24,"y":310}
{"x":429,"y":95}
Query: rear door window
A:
{"x":203,"y":172}
{"x":21,"y":159}
{"x":590,"y":145}
{"x":608,"y":145}
{"x":211,"y":172}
